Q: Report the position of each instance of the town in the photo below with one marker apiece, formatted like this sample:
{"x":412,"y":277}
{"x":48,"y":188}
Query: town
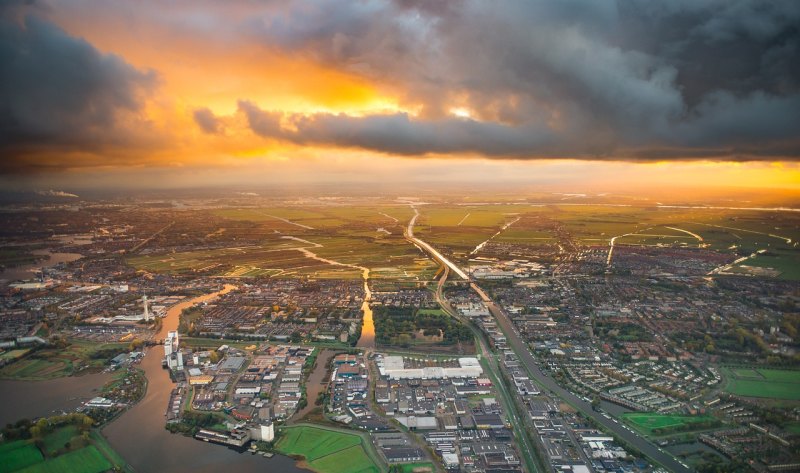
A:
{"x":658,"y":350}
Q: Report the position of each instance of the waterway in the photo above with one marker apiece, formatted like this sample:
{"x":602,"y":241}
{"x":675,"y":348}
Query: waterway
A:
{"x":31,"y":399}
{"x":316,"y":382}
{"x":367,"y":339}
{"x":140,"y":437}
{"x":28,"y":271}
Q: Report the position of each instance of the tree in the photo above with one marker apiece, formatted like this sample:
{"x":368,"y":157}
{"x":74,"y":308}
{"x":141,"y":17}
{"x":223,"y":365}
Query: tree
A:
{"x":214,"y":357}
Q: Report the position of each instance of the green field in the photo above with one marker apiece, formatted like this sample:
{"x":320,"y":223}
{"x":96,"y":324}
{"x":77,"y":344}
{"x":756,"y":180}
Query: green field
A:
{"x":650,"y":422}
{"x":785,"y":262}
{"x":327,"y":451}
{"x":764,"y":383}
{"x":54,"y":441}
{"x":85,"y":460}
{"x":17,"y":455}
{"x":341,"y":237}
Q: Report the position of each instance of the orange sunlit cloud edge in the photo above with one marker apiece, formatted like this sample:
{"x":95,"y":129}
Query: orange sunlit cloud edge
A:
{"x":326,"y":106}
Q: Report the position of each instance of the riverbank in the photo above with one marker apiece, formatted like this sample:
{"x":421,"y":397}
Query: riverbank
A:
{"x":140,"y":436}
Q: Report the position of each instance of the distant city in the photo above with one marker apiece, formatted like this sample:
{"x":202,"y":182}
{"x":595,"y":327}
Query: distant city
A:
{"x":397,"y":334}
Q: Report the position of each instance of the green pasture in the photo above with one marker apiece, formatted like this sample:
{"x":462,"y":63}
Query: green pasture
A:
{"x":763,"y":383}
{"x":85,"y":460}
{"x":17,"y":455}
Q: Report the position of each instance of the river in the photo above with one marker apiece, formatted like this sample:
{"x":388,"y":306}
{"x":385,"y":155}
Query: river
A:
{"x":367,"y":338}
{"x":28,"y":271}
{"x":30,"y":399}
{"x":140,"y":437}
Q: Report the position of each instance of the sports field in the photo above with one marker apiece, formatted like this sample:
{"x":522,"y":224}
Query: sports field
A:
{"x":327,"y":451}
{"x":654,"y":424}
{"x":765,"y":383}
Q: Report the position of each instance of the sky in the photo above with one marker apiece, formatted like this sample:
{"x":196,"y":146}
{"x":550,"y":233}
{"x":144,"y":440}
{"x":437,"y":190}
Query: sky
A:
{"x":163,"y":93}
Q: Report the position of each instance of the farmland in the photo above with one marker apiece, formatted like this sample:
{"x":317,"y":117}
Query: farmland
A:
{"x":321,"y":242}
{"x":294,"y":240}
{"x":763,"y":383}
{"x":327,"y":451}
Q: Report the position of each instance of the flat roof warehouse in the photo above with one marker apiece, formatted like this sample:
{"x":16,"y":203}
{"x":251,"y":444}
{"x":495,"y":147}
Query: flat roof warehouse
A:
{"x":394,"y":367}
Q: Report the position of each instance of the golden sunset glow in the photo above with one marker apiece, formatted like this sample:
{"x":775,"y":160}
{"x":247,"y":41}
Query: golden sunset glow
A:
{"x":279,"y":89}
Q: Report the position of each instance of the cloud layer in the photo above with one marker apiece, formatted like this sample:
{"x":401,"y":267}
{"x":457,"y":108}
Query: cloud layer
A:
{"x":59,"y":94}
{"x":634,"y":79}
{"x":624,"y":79}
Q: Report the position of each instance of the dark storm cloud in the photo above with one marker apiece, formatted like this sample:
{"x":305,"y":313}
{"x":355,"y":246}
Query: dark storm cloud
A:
{"x":206,"y":120}
{"x":59,"y":94}
{"x":698,"y":78}
{"x":396,"y":133}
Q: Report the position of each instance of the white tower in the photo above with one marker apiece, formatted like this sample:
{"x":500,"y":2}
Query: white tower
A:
{"x":146,"y":314}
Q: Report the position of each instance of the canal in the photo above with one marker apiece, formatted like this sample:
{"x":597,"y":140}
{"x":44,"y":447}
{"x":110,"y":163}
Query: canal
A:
{"x":140,"y":437}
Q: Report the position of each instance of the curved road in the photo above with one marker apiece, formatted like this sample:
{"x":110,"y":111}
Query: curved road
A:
{"x":519,"y":346}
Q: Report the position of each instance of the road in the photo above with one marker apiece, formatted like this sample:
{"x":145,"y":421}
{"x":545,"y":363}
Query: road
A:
{"x":521,"y":348}
{"x":150,"y":238}
{"x":516,"y":418}
{"x":429,"y":249}
{"x":554,"y":389}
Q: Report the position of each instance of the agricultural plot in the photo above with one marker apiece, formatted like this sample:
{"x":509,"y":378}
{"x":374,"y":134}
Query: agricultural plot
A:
{"x":327,"y":451}
{"x":329,"y":254}
{"x":763,"y":383}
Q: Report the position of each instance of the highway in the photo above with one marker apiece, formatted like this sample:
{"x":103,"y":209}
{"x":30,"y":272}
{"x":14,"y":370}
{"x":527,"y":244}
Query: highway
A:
{"x":554,"y":389}
{"x":429,"y":249}
{"x":517,"y":418}
{"x":521,"y":348}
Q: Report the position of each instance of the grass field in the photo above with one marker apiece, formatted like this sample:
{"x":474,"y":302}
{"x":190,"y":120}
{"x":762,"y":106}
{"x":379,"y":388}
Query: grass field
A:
{"x":85,"y":460}
{"x":17,"y":455}
{"x":327,"y":451}
{"x":764,"y":383}
{"x":648,"y":422}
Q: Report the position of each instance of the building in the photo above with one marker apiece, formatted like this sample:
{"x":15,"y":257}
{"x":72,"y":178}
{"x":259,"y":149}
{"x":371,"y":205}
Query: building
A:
{"x":172,"y":354}
{"x":263,"y":433}
{"x":146,"y":313}
{"x":394,"y":367}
